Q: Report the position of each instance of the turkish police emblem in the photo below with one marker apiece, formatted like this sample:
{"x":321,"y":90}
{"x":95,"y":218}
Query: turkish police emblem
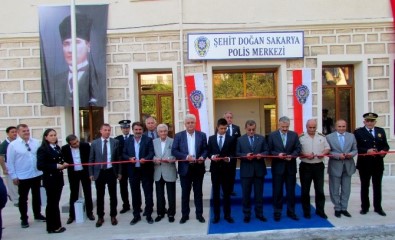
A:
{"x":302,"y":93}
{"x":196,"y":98}
{"x":202,"y":44}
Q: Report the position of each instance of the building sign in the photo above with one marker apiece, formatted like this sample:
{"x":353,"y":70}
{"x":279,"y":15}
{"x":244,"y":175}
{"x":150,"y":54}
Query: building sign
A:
{"x":216,"y":46}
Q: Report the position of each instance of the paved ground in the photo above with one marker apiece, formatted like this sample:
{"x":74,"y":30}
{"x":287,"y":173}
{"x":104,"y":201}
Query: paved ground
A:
{"x":370,"y":226}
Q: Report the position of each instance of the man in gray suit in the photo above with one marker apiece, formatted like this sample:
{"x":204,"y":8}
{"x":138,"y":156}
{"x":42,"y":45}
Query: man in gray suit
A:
{"x":341,"y":166}
{"x":105,"y":150}
{"x":165,"y":174}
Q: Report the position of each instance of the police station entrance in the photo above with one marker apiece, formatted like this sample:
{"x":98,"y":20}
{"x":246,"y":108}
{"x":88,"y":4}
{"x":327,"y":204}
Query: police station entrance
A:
{"x":248,"y":94}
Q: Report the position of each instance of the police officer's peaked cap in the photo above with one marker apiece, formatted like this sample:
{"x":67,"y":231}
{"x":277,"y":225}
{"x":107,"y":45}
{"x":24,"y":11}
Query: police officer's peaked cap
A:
{"x":125,"y":123}
{"x":83,"y":27}
{"x":370,"y":116}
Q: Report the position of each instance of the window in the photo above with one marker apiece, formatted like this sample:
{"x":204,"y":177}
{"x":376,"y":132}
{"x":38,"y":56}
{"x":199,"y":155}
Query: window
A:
{"x":91,"y":119}
{"x":338,"y":93}
{"x":156,"y":98}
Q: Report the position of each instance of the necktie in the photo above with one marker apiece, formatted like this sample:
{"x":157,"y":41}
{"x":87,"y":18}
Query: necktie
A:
{"x":70,"y":82}
{"x":152,"y":135}
{"x":371,"y":132}
{"x":283,"y":138}
{"x":104,"y":166}
{"x":341,"y":140}
{"x":251,"y":140}
{"x":125,"y":137}
{"x":220,"y":144}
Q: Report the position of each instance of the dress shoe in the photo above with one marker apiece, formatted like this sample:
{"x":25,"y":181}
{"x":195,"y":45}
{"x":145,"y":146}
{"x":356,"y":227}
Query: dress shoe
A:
{"x":277,"y":217}
{"x":229,"y":219}
{"x":171,"y":219}
{"x":60,"y":230}
{"x":184,"y":219}
{"x":346,"y":213}
{"x":262,"y":218}
{"x":307,"y":215}
{"x":293,"y":216}
{"x":150,"y":220}
{"x":91,"y":217}
{"x":24,"y":224}
{"x":70,"y":220}
{"x":144,"y":213}
{"x":216,"y":220}
{"x":124,"y":210}
{"x":363,"y":212}
{"x":40,"y":218}
{"x":200,"y":219}
{"x":158,"y":218}
{"x":135,"y":220}
{"x":323,"y":215}
{"x":247,"y":219}
{"x":338,"y":214}
{"x":99,"y":222}
{"x":114,"y":221}
{"x":380,"y":212}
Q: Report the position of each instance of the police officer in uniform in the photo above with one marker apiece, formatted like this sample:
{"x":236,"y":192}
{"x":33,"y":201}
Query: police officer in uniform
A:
{"x":123,"y":183}
{"x":371,"y":140}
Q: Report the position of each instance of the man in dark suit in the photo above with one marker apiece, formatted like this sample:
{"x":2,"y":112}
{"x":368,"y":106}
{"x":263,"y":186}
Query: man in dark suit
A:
{"x":76,"y":152}
{"x":371,"y":140}
{"x":190,"y":146}
{"x":221,"y":148}
{"x":123,"y":183}
{"x":140,"y":149}
{"x":341,"y":166}
{"x":233,"y":131}
{"x":150,"y":124}
{"x":285,"y":145}
{"x":90,"y":79}
{"x":251,"y":148}
{"x":105,"y":150}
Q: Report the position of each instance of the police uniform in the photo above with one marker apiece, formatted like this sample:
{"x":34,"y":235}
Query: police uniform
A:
{"x":313,"y":171}
{"x":371,"y":167}
{"x":123,"y":183}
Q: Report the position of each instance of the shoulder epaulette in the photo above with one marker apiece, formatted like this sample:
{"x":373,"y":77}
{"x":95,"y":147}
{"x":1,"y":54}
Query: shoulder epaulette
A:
{"x":321,"y":134}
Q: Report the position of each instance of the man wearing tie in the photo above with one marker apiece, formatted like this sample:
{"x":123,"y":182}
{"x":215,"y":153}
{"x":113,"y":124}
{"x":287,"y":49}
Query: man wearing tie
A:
{"x":190,"y":146}
{"x":105,"y":150}
{"x":285,"y":145}
{"x":150,"y":124}
{"x":123,"y":183}
{"x":371,"y":140}
{"x":341,"y":166}
{"x":221,"y":148}
{"x":76,"y":152}
{"x":251,"y":148}
{"x":233,"y":131}
{"x":140,"y":149}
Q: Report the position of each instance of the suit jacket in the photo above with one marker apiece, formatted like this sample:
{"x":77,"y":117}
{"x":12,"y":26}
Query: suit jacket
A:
{"x":255,"y":167}
{"x":155,"y":132}
{"x":292,"y":147}
{"x":228,"y":150}
{"x":235,"y":131}
{"x":96,"y":156}
{"x":146,"y":151}
{"x":84,"y":155}
{"x":47,"y":160}
{"x":180,"y":150}
{"x":166,"y":170}
{"x":121,"y":140}
{"x":335,"y":165}
{"x":365,"y":141}
{"x":89,"y":86}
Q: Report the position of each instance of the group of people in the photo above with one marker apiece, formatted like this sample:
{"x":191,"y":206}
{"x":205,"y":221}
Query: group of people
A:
{"x":142,"y":158}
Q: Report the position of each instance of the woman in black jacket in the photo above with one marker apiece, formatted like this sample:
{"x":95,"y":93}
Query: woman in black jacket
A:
{"x":50,"y":161}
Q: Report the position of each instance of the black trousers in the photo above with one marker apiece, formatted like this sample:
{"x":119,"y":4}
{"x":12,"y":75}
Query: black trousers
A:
{"x":106,"y":176}
{"x":23,"y":189}
{"x":222,"y":179}
{"x":193,"y":179}
{"x":247,"y":183}
{"x":160,"y":197}
{"x":233,"y":164}
{"x":365,"y":176}
{"x":312,"y":172}
{"x":75,"y":180}
{"x":123,"y":187}
{"x":147,"y":183}
{"x":289,"y":179}
{"x":52,"y":210}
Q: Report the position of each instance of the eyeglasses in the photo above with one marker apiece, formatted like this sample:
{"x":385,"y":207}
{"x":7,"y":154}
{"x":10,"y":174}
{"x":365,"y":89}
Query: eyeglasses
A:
{"x":28,"y":147}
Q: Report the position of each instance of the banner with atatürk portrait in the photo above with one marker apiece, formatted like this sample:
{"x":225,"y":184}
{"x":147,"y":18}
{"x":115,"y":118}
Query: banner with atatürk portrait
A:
{"x":56,"y":55}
